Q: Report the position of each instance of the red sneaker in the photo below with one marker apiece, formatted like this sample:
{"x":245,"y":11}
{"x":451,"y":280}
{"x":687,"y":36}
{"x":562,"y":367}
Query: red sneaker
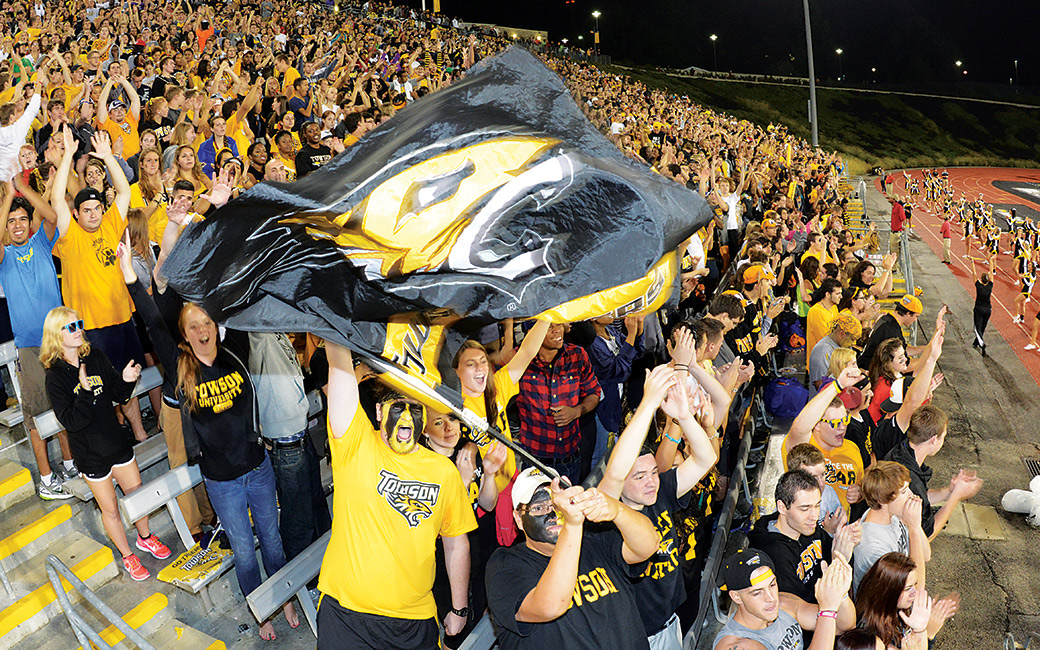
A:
{"x":152,"y":545}
{"x":134,"y":568}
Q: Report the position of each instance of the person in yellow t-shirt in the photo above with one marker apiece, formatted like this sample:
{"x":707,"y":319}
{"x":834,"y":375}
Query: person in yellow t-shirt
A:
{"x":823,"y":423}
{"x":92,"y":283}
{"x":391,"y":502}
{"x":118,"y":119}
{"x":489,"y":399}
{"x":822,"y":314}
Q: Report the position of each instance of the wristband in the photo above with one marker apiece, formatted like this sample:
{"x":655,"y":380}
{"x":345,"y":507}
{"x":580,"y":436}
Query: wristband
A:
{"x":671,"y":438}
{"x":919,"y":631}
{"x":681,"y":365}
{"x":827,"y":613}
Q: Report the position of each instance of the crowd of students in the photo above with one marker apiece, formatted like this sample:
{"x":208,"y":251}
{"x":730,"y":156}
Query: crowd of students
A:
{"x":124,"y":123}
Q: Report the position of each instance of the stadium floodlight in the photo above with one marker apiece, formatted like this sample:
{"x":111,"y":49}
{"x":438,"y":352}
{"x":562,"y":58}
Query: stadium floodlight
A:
{"x":958,"y":63}
{"x":838,"y":52}
{"x":596,"y":14}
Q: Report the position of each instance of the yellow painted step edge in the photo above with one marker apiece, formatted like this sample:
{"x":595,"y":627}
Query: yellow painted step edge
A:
{"x":29,"y":605}
{"x":18,"y":540}
{"x":135,"y":618}
{"x":217,"y":645}
{"x":15,"y":481}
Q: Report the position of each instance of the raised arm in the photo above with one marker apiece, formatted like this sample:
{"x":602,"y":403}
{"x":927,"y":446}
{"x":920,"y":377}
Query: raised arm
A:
{"x":343,"y":388}
{"x":626,"y":449}
{"x":61,"y":182}
{"x":919,"y":388}
{"x":810,"y":415}
{"x":102,"y":105}
{"x":702,"y":454}
{"x":102,"y":145}
{"x":135,"y":99}
{"x":48,"y":219}
{"x":517,"y":366}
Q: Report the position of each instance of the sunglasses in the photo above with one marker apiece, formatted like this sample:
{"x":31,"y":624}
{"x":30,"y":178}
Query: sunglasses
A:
{"x":838,"y":422}
{"x":73,"y":327}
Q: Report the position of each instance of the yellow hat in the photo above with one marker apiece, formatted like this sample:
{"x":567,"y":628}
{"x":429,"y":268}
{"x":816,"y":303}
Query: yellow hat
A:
{"x":911,"y":304}
{"x":756,"y":272}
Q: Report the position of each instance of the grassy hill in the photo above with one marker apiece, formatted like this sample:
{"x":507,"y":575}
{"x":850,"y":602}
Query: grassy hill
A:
{"x":870,"y":129}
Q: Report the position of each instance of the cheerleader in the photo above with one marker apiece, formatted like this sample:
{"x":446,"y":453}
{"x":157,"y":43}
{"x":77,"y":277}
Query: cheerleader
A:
{"x":1026,"y":278}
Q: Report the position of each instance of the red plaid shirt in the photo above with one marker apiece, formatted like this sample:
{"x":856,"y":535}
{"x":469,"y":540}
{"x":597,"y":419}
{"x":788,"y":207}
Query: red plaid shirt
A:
{"x":565,"y":381}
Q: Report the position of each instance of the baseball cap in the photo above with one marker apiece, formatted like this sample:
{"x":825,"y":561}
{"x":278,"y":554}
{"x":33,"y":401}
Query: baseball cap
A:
{"x":895,"y":399}
{"x":737,"y":569}
{"x":851,"y":397}
{"x":87,"y":194}
{"x":115,"y":103}
{"x":911,"y":303}
{"x":327,"y":134}
{"x":527,"y":483}
{"x":756,"y":272}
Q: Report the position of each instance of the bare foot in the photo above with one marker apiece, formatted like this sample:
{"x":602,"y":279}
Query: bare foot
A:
{"x":290,"y":615}
{"x":267,"y":631}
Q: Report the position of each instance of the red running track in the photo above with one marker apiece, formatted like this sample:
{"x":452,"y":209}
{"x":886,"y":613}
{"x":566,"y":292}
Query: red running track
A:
{"x":972,"y":181}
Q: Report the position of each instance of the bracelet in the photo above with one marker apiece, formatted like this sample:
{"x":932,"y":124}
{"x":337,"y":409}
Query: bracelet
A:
{"x":671,"y":438}
{"x":681,"y":365}
{"x":919,"y":631}
{"x":827,"y":613}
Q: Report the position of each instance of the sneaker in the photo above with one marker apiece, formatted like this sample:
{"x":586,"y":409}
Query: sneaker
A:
{"x":152,"y":545}
{"x":52,"y":491}
{"x":68,"y":474}
{"x":134,"y":567}
{"x":1030,"y":347}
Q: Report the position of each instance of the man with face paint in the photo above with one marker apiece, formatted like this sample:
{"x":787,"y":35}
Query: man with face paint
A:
{"x":566,"y":585}
{"x":392,"y":500}
{"x":767,"y":619}
{"x":632,"y":476}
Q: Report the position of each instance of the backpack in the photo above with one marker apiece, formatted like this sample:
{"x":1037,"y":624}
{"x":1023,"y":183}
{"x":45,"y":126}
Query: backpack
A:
{"x":785,"y":397}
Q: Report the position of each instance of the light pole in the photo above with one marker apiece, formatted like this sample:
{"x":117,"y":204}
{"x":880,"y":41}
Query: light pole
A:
{"x":596,"y":14}
{"x":714,"y":53}
{"x":838,"y":52}
{"x":813,"y":116}
{"x":1016,"y":76}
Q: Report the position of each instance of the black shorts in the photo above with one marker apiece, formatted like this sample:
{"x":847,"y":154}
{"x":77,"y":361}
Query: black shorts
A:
{"x":100,"y":469}
{"x":344,"y":629}
{"x":119,"y":343}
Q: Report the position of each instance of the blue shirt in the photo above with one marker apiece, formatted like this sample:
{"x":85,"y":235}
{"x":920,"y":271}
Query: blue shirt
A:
{"x":31,"y":285}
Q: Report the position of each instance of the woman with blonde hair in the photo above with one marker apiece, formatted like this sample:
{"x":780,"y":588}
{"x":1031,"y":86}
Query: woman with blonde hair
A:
{"x":184,"y":134}
{"x":186,"y":167}
{"x":82,"y":385}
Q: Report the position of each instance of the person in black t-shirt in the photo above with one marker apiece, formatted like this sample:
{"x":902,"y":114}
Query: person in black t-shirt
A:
{"x":796,"y":542}
{"x":534,"y":597}
{"x":312,"y":154}
{"x":632,"y":475}
{"x":82,"y":385}
{"x":890,"y":326}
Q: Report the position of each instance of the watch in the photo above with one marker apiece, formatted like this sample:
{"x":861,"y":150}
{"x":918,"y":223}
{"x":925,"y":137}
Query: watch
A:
{"x":464,"y":612}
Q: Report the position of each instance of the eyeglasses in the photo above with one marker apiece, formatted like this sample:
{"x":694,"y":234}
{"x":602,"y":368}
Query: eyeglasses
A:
{"x":541,"y":509}
{"x":73,"y":327}
{"x":839,"y":422}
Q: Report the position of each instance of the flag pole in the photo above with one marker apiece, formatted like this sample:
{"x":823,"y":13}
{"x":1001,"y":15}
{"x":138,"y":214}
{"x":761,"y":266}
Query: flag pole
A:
{"x":399,"y":378}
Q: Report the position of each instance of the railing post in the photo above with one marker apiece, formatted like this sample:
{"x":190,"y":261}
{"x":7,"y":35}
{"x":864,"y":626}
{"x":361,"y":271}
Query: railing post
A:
{"x":56,"y":570}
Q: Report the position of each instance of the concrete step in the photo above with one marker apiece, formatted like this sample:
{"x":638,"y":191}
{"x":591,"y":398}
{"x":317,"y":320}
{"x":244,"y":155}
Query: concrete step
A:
{"x":147,"y":617}
{"x":16,"y":484}
{"x":93,"y":563}
{"x":176,"y":635}
{"x":30,"y":525}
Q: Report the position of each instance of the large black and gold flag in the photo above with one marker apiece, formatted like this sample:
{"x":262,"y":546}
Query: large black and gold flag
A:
{"x":490,"y":199}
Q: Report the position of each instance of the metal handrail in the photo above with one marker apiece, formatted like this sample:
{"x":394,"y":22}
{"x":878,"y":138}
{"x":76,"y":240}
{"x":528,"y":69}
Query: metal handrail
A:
{"x":84,"y":633}
{"x":908,"y":274}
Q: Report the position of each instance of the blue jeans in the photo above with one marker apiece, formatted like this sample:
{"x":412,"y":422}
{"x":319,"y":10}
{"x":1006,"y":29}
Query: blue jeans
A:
{"x":305,"y":512}
{"x":233,"y":501}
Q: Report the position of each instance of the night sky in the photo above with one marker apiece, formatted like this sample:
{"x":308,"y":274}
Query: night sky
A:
{"x":908,"y":42}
